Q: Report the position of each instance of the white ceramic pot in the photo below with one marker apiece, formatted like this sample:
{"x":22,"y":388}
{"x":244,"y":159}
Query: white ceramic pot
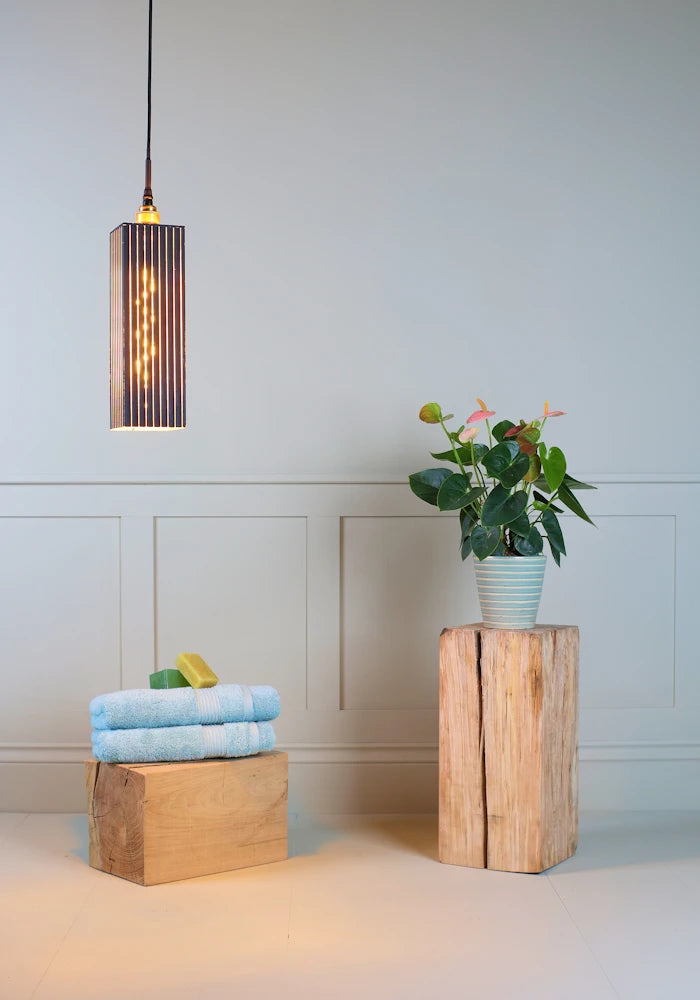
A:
{"x":509,"y":589}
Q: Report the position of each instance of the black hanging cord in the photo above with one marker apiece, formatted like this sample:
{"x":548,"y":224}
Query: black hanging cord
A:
{"x":147,"y":192}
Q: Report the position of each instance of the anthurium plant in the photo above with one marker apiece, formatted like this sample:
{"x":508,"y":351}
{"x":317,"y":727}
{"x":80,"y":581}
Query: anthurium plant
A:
{"x":508,"y":492}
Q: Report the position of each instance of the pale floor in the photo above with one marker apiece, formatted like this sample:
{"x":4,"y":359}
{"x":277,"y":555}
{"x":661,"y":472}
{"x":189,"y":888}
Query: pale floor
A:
{"x":361,"y":910}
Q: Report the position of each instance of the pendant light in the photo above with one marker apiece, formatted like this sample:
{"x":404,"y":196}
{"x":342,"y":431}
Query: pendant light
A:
{"x":147,"y":361}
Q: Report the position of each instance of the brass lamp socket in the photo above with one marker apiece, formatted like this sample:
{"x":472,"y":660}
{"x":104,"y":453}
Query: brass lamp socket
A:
{"x":148,"y":213}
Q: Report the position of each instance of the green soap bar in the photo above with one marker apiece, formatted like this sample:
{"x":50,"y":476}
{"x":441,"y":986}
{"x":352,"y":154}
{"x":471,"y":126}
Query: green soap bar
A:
{"x":169,"y":679}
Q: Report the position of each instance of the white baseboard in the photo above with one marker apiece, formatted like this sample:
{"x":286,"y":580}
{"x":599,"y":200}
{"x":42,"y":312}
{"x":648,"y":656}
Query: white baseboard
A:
{"x":377,"y":778}
{"x":372,"y":753}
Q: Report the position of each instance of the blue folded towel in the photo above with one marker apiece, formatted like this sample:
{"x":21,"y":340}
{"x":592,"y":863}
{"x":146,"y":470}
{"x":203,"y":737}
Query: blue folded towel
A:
{"x":144,"y":708}
{"x":139,"y":746}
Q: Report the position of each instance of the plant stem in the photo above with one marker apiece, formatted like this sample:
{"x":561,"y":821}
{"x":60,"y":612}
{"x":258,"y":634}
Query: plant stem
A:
{"x":551,"y":501}
{"x":477,"y":471}
{"x":454,"y":450}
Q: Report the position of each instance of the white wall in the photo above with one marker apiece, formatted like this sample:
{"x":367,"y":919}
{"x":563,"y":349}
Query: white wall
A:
{"x":336,"y":594}
{"x":386,"y":202}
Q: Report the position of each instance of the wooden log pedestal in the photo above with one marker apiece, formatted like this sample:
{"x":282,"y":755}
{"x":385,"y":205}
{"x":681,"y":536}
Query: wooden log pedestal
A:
{"x":508,"y":746}
{"x":152,"y":823}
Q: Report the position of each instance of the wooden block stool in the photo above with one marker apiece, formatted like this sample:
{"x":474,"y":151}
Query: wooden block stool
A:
{"x":153,"y":823}
{"x":508,"y":746}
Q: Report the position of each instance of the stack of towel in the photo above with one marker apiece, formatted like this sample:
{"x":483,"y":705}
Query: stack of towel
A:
{"x":186,"y":723}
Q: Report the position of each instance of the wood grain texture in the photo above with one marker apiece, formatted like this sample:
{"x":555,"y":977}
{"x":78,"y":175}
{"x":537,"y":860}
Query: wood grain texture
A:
{"x":462,"y":815}
{"x":525,"y":695}
{"x":153,"y":823}
{"x":116,"y":795}
{"x":560,"y":737}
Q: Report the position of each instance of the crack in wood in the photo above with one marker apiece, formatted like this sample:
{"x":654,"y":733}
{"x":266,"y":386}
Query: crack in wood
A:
{"x":482,"y":747}
{"x":160,"y":825}
{"x":508,"y":741}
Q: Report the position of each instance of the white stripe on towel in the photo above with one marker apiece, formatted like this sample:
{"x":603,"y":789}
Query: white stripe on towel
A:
{"x":254,"y":737}
{"x":208,"y":706}
{"x":214,"y":741}
{"x":248,"y":707}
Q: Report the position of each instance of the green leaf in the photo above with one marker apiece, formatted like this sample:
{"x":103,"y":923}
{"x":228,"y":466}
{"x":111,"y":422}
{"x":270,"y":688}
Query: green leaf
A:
{"x":541,"y":502}
{"x":426,"y":484}
{"x":570,"y":501}
{"x":479,"y":451}
{"x":575,"y":484}
{"x":515,"y":472}
{"x":474,"y":494}
{"x":551,"y":525}
{"x":468,"y":514}
{"x":539,"y":505}
{"x":521,"y":525}
{"x":463,"y":453}
{"x":466,"y":547}
{"x":430,"y":413}
{"x":529,"y":433}
{"x":485,"y":541}
{"x":554,"y":467}
{"x":500,"y":457}
{"x":456,"y":492}
{"x":500,"y":429}
{"x":556,"y":554}
{"x":467,"y":520}
{"x":530,"y":546}
{"x":501,"y":508}
{"x":506,"y":462}
{"x":534,"y":471}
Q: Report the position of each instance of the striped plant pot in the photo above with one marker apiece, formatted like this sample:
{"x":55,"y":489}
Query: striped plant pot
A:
{"x":509,"y":589}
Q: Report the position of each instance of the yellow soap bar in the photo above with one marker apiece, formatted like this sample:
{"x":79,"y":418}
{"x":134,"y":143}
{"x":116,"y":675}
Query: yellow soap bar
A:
{"x":194,"y":669}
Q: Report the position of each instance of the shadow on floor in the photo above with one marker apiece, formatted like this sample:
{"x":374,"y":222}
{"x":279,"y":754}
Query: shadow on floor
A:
{"x":611,"y":840}
{"x":307,"y":833}
{"x":69,"y":834}
{"x":79,"y":828}
{"x":307,"y":837}
{"x":416,"y":834}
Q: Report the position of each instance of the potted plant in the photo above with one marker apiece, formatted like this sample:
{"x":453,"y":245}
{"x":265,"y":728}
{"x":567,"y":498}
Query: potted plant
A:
{"x":508,"y":494}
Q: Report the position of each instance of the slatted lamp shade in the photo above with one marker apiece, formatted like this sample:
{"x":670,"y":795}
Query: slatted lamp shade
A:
{"x":147,"y":360}
{"x":148,"y":326}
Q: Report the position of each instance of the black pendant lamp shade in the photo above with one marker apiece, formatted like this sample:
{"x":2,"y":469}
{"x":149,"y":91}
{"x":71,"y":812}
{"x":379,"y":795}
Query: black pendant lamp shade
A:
{"x":148,"y":326}
{"x":147,"y":360}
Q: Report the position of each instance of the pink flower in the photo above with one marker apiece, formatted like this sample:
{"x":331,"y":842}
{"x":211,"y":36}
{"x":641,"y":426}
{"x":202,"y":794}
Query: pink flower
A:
{"x":551,"y":413}
{"x":468,"y":434}
{"x":480,"y":415}
{"x":513,"y":432}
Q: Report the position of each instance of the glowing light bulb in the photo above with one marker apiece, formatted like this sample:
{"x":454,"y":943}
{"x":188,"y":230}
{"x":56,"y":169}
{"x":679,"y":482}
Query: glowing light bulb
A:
{"x":148,"y":329}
